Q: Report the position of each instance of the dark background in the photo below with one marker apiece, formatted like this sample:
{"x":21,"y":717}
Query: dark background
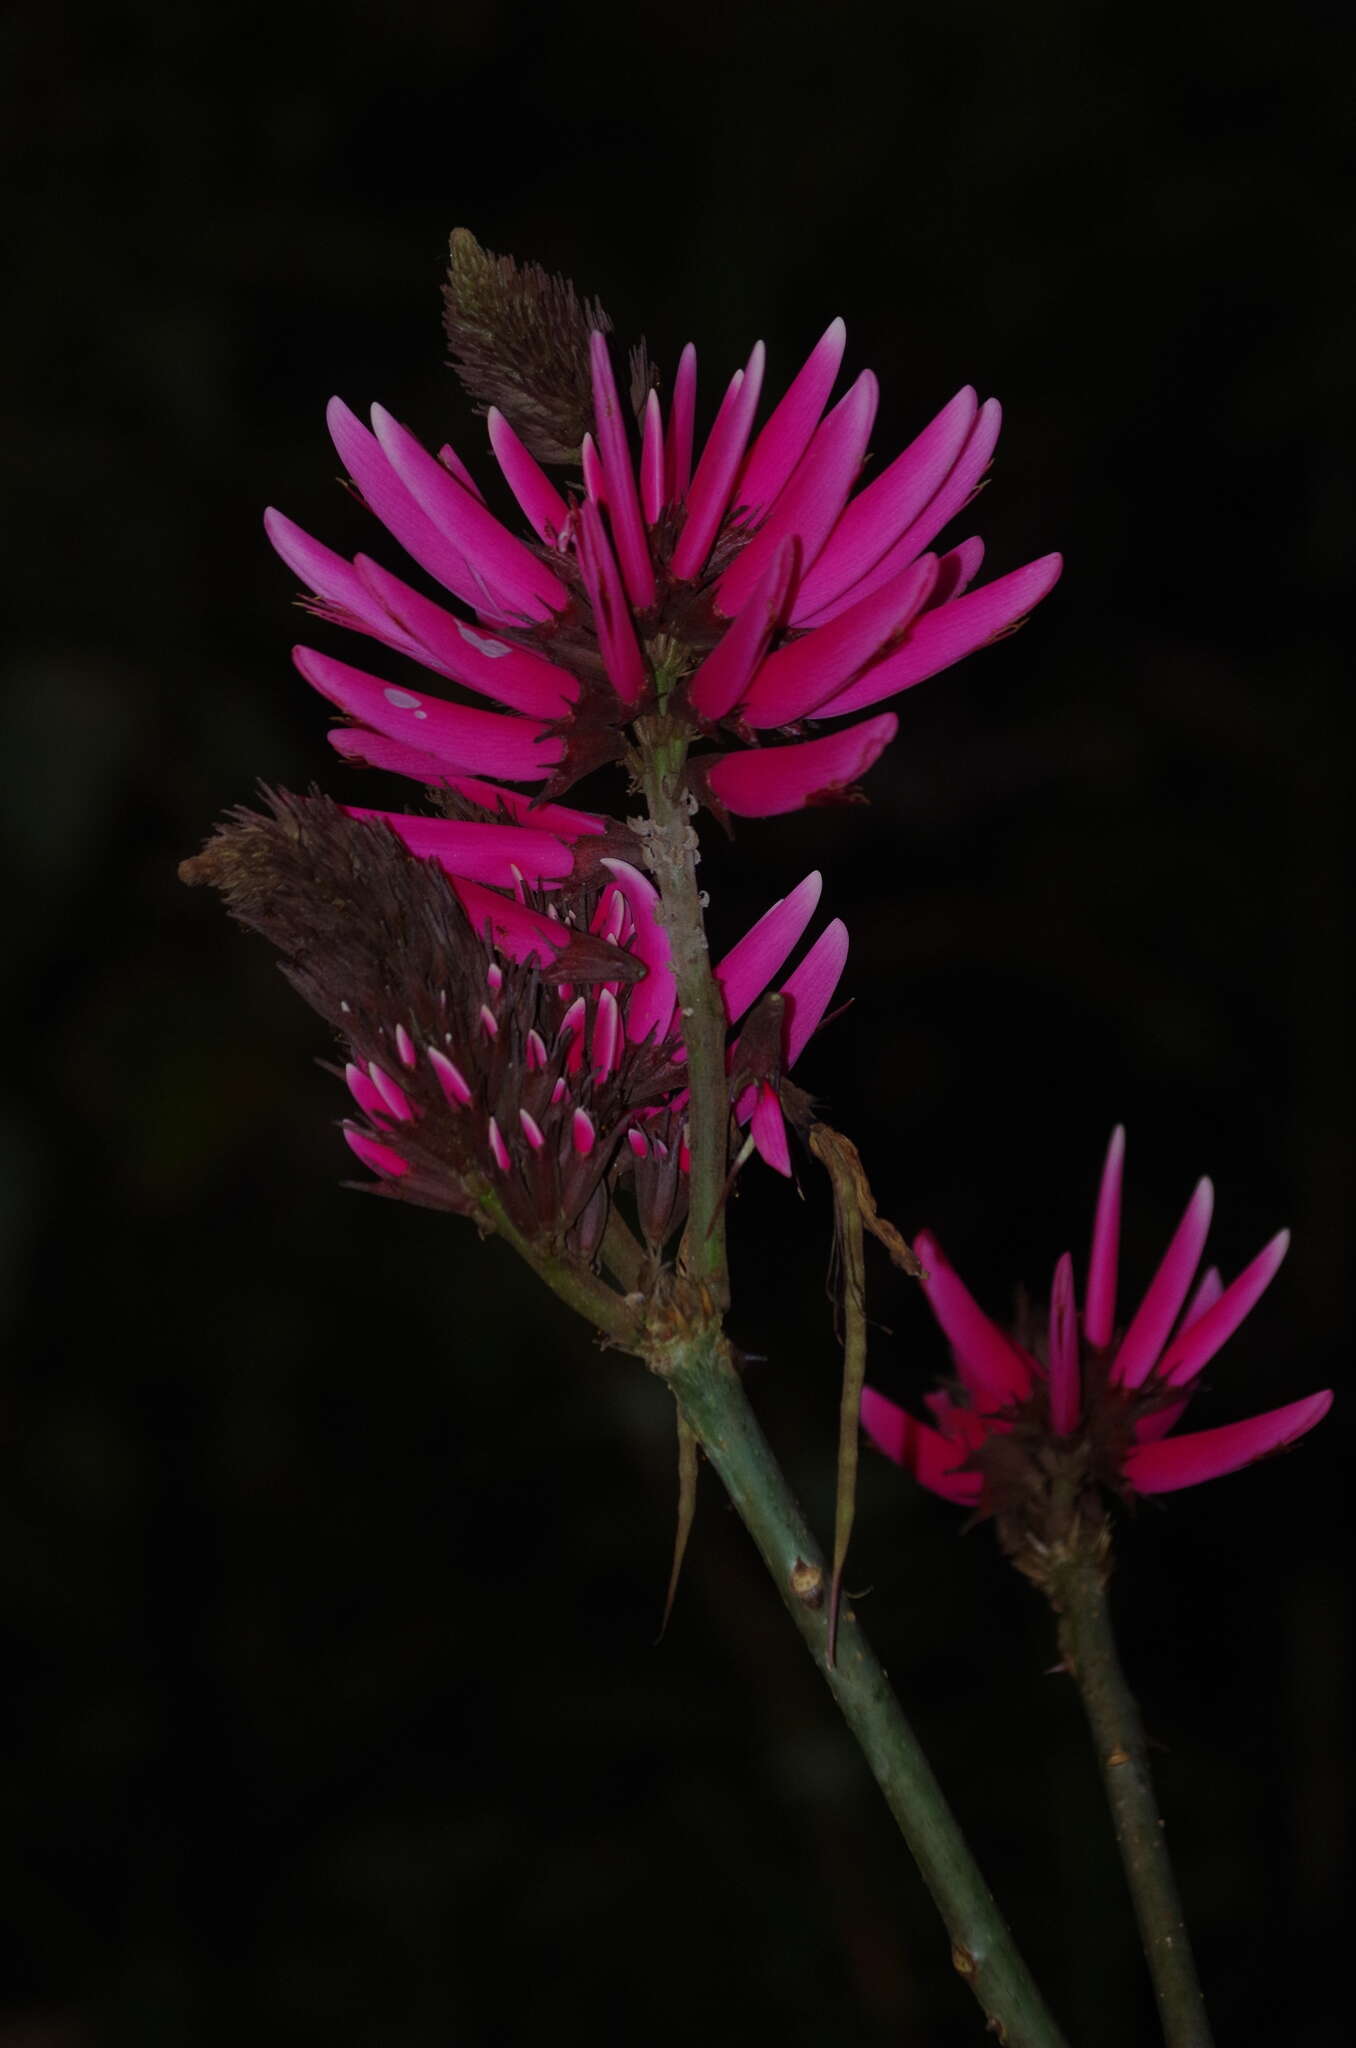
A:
{"x":331,"y":1556}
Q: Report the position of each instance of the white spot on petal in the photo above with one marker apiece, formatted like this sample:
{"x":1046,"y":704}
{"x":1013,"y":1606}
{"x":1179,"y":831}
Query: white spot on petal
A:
{"x":402,"y":699}
{"x":491,"y":649}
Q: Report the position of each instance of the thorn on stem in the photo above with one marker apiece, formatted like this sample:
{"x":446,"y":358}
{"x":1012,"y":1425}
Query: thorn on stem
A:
{"x":807,"y":1583}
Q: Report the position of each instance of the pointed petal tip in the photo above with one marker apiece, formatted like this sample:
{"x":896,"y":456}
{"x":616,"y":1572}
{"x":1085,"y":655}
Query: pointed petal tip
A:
{"x":1177,"y":1462}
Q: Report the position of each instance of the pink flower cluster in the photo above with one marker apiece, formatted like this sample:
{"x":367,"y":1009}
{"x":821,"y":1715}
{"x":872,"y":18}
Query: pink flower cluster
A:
{"x":1114,"y":1398}
{"x":747,"y":586}
{"x":540,"y":1075}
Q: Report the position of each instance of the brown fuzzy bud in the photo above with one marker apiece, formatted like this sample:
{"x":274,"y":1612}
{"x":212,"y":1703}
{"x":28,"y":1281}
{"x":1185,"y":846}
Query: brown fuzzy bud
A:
{"x":520,"y":340}
{"x":464,"y":1059}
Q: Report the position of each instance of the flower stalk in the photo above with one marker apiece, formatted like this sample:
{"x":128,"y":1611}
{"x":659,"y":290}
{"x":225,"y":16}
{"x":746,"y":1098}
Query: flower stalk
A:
{"x":1077,"y":1587}
{"x":570,"y":1281}
{"x":697,"y":1365}
{"x":672,"y":853}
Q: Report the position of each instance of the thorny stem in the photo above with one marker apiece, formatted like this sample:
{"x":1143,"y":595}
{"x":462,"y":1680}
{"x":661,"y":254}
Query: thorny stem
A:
{"x":698,"y":1367}
{"x":671,"y":849}
{"x":1077,"y":1589}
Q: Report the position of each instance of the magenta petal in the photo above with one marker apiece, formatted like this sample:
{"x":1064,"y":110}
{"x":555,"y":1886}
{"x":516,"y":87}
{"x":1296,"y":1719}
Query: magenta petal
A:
{"x":364,"y":1091}
{"x":963,"y":481}
{"x":1197,"y":1344}
{"x":539,"y":500}
{"x":1099,"y":1302}
{"x":650,"y":1005}
{"x":764,"y":782}
{"x":652,"y":460}
{"x":767,"y":1127}
{"x":954,"y":493}
{"x":623,"y":502}
{"x":1065,"y":1390}
{"x":889,"y":504}
{"x":1156,"y":1314}
{"x":605,"y":1049}
{"x":797,"y":680}
{"x":750,"y":965}
{"x":489,"y":741}
{"x":956,"y":571}
{"x":471,"y":655}
{"x":611,"y":613}
{"x":709,"y":495}
{"x":1208,"y":1292}
{"x":591,"y":462}
{"x":482,"y":853}
{"x":385,"y":495}
{"x":678,"y":439}
{"x":784,"y":439}
{"x":343,"y":595}
{"x":724,"y":677}
{"x":991,"y":1367}
{"x":1209,"y":1453}
{"x":940,"y":638}
{"x":922,"y":1450}
{"x":392,"y":1094}
{"x":374,"y":750}
{"x":518,"y":932}
{"x":508,"y":573}
{"x":379,"y":1157}
{"x":450,"y":1078}
{"x":813,"y":499}
{"x":809,"y":988}
{"x":583,"y":1134}
{"x":454,"y":466}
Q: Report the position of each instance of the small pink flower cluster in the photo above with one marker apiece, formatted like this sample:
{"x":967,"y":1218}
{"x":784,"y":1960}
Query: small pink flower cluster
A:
{"x":1111,"y":1403}
{"x":530,"y":1069}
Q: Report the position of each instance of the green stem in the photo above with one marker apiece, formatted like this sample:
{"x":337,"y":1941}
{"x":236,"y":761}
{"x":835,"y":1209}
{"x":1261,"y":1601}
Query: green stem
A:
{"x":580,"y":1289}
{"x":672,"y":852}
{"x":698,"y":1368}
{"x":624,"y":1258}
{"x":1077,"y":1588}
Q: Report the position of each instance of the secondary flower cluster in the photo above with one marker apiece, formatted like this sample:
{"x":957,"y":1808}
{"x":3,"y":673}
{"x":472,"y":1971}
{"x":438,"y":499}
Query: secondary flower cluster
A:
{"x":1079,"y":1407}
{"x":744,"y":584}
{"x":524,"y":1048}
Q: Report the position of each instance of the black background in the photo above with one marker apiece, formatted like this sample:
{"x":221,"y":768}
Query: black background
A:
{"x":331,"y":1557}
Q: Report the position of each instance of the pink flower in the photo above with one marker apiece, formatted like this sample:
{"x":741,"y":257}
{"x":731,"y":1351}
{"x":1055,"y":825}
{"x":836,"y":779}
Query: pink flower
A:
{"x":523,"y":1039}
{"x":548,"y":1069}
{"x":747,"y":587}
{"x":1103,"y":1399}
